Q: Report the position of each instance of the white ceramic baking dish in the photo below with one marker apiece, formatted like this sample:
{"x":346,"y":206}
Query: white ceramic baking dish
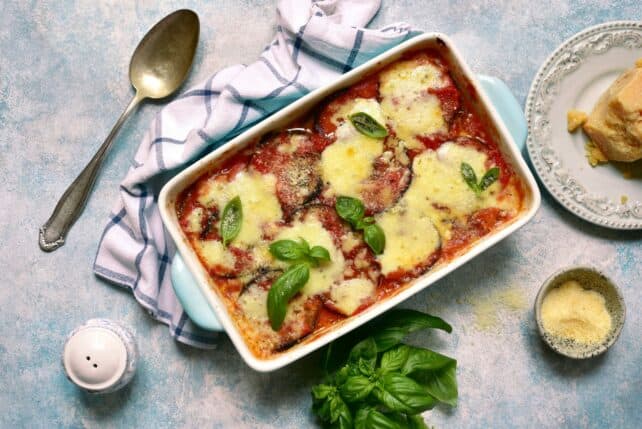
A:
{"x":470,"y":88}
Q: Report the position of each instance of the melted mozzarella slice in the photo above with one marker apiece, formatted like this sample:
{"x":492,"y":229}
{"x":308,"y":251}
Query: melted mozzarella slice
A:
{"x":347,"y":162}
{"x":194,"y":220}
{"x":258,"y":197}
{"x":348,"y":295}
{"x":411,"y":238}
{"x":406,"y":103}
{"x":438,"y":188}
{"x":324,"y":276}
{"x":214,"y":254}
{"x":253,"y":303}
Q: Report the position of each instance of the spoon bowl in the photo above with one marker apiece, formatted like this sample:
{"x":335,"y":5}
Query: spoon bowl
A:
{"x":162,"y":60}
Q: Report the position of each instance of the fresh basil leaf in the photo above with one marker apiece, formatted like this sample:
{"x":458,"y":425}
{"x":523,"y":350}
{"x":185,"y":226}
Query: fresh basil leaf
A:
{"x":470,"y":177}
{"x":489,"y":178}
{"x":342,"y":423}
{"x":322,"y":391}
{"x":321,"y":395}
{"x":366,"y":367}
{"x":320,"y":254}
{"x":395,"y":325}
{"x":283,"y":289}
{"x":419,"y":359}
{"x":288,"y":250}
{"x":403,"y":394}
{"x":416,"y":422}
{"x":365,"y":349}
{"x":440,"y":383}
{"x":368,"y":126}
{"x":395,"y":358}
{"x":342,"y":374}
{"x":339,"y":410}
{"x":356,"y":388}
{"x":350,"y":209}
{"x":231,"y":220}
{"x":370,"y":418}
{"x":375,"y":238}
{"x":328,"y":405}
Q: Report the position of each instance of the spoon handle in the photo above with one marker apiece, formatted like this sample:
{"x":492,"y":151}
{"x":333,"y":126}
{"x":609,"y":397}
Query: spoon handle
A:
{"x":71,"y":204}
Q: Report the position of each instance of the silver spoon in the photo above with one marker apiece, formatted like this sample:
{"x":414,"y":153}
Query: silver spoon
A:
{"x":158,"y":67}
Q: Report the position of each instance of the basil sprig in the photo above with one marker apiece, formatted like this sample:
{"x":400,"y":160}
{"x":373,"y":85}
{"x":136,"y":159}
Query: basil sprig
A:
{"x":283,"y":289}
{"x":470,"y":178}
{"x":302,"y":256}
{"x":382,"y":383}
{"x":231,"y":220}
{"x":368,"y":126}
{"x":292,"y":251}
{"x":352,"y":211}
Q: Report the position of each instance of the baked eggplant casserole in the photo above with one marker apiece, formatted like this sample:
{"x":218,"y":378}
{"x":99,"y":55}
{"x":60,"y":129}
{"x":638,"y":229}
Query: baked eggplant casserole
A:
{"x":348,"y":205}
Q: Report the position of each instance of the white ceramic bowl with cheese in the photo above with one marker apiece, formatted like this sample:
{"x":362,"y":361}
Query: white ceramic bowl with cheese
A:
{"x":470,"y":88}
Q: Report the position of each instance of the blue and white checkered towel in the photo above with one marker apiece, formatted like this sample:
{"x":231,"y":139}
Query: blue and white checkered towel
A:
{"x":316,"y":41}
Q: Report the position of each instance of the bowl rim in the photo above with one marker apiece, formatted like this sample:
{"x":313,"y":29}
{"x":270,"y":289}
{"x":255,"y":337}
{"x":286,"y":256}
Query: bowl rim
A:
{"x":189,"y":174}
{"x":547,"y":285}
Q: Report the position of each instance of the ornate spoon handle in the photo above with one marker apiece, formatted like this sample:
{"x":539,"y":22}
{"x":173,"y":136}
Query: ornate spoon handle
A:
{"x":71,"y":204}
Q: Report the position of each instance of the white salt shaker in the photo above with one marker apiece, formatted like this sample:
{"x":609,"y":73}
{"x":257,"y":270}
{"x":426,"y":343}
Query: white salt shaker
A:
{"x":100,"y":356}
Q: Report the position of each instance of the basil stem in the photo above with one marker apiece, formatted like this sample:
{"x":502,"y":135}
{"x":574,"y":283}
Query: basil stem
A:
{"x":231,"y":220}
{"x":368,"y":126}
{"x":283,"y":289}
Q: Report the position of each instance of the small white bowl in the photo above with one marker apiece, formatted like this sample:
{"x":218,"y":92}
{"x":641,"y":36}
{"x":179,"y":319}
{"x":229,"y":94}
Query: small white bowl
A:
{"x":589,"y":278}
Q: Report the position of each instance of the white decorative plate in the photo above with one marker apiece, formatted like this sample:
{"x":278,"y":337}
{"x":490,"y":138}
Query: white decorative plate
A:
{"x":574,"y":76}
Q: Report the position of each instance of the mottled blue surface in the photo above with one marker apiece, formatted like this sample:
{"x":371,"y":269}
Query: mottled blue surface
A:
{"x":63,"y":82}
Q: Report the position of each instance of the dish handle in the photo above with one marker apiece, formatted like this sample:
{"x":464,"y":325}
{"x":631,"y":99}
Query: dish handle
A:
{"x":186,"y":287}
{"x":191,"y":298}
{"x":508,"y":108}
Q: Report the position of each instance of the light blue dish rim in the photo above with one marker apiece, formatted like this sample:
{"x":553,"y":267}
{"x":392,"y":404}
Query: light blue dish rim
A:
{"x":185,"y":286}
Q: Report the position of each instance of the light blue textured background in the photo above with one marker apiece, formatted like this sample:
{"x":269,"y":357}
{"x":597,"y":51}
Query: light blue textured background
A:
{"x":63,"y":82}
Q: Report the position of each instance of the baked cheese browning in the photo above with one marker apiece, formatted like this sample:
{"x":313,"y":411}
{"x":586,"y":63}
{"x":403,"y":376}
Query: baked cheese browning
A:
{"x":411,"y":109}
{"x":410,"y":182}
{"x":258,"y":197}
{"x":389,"y":180}
{"x":334,"y":112}
{"x":359,"y":166}
{"x":439,"y":190}
{"x":349,"y":161}
{"x":310,"y":228}
{"x":294,"y":160}
{"x":348,"y":296}
{"x":411,"y":240}
{"x":251,"y":314}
